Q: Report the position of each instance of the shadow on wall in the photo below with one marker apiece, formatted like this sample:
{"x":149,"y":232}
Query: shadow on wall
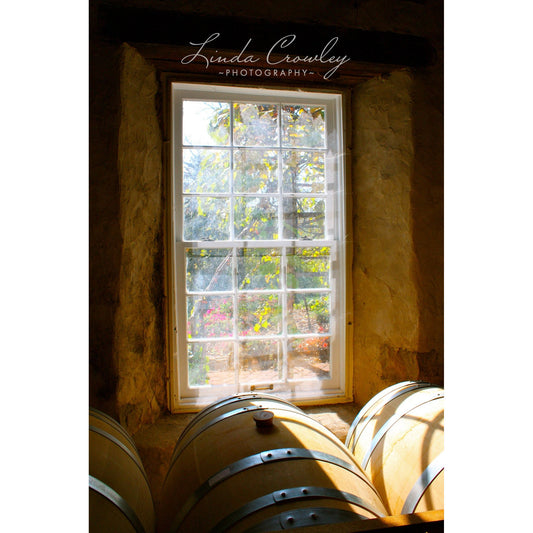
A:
{"x":427,"y":210}
{"x":105,"y":241}
{"x":127,"y":355}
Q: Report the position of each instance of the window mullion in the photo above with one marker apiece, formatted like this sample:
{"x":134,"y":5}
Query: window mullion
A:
{"x":236,"y":345}
{"x":280,"y":177}
{"x":235,"y":319}
{"x":231,"y":175}
{"x":284,"y":334}
{"x":283,"y":266}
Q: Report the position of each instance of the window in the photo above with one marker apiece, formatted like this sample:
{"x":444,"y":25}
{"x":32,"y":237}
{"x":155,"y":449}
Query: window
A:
{"x":258,"y":252}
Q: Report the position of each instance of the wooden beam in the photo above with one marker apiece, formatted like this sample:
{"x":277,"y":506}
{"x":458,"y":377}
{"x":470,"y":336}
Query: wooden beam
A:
{"x":168,"y":59}
{"x":165,"y":27}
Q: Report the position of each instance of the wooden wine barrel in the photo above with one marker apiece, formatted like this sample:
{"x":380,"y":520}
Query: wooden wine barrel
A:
{"x":120,"y":500}
{"x":398,"y":440}
{"x":256,"y":463}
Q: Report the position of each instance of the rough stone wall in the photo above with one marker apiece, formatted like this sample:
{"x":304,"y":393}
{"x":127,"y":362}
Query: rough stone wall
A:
{"x":104,"y":230}
{"x":138,"y":346}
{"x":398,"y":217}
{"x":127,"y":363}
{"x":385,"y":300}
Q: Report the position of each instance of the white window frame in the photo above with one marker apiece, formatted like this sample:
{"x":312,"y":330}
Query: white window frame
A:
{"x":182,"y":397}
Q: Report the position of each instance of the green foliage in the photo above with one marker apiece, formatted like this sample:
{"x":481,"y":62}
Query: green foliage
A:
{"x":251,"y":168}
{"x":198,"y":365}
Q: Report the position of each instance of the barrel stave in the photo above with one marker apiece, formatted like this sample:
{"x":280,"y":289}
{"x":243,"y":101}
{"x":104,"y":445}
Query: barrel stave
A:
{"x":221,"y":468}
{"x":398,"y":434}
{"x":120,"y":500}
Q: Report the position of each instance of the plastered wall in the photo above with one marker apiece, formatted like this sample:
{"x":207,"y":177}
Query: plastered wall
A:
{"x":397,"y":265}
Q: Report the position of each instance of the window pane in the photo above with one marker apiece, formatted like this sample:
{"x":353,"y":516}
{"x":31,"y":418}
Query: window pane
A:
{"x":308,"y":312}
{"x":260,"y":361}
{"x":308,"y":268}
{"x":258,"y":268}
{"x":309,"y":358}
{"x":303,"y":172}
{"x":256,"y":218}
{"x":209,"y":270}
{"x":303,"y":218}
{"x":205,"y":218}
{"x":303,"y":126}
{"x":255,"y":125}
{"x":209,"y":316}
{"x":255,"y":171}
{"x":206,"y":171}
{"x":210,"y":363}
{"x":206,"y":123}
{"x":259,"y":314}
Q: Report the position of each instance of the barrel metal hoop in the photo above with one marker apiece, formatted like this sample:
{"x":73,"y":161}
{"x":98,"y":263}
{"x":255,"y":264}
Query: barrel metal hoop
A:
{"x":282,"y":454}
{"x":210,"y":424}
{"x":123,"y":447}
{"x":210,"y":408}
{"x":305,"y":517}
{"x":422,"y":483}
{"x":225,"y":416}
{"x":228,"y":401}
{"x":372,"y":402}
{"x":118,"y":501}
{"x":437,"y":395}
{"x":106,"y":418}
{"x":389,"y":394}
{"x":289,"y":495}
{"x":269,"y":456}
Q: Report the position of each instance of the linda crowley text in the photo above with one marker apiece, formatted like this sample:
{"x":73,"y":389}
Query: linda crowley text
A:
{"x":243,"y":58}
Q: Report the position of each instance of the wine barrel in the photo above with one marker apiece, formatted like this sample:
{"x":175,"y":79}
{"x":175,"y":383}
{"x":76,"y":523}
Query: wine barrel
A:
{"x":120,"y":500}
{"x":255,"y":463}
{"x":398,"y":440}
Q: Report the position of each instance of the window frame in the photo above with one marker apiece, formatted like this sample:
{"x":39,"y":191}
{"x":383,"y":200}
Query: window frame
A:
{"x":335,"y":100}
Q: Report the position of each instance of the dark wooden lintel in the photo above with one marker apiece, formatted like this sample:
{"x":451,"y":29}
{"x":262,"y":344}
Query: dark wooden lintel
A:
{"x":167,"y":58}
{"x":369,"y":52}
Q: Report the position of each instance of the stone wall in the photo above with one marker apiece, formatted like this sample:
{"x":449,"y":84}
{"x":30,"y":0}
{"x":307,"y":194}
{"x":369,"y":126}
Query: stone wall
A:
{"x":397,"y":170}
{"x":105,"y":240}
{"x":385,"y":299}
{"x":139,"y":326}
{"x":398,"y":216}
{"x":127,"y":352}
